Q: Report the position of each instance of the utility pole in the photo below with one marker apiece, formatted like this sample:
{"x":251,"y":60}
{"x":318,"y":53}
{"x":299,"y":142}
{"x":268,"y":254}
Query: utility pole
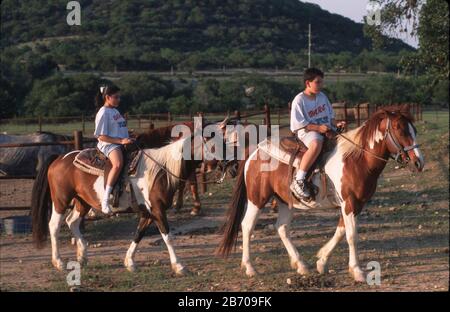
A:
{"x":309,"y":45}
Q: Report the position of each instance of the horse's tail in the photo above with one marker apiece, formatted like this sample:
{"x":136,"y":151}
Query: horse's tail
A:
{"x":41,"y":203}
{"x":230,"y":229}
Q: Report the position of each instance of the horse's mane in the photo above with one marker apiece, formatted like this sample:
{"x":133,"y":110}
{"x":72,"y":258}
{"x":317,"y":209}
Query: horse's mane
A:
{"x":170,"y":157}
{"x":369,"y":132}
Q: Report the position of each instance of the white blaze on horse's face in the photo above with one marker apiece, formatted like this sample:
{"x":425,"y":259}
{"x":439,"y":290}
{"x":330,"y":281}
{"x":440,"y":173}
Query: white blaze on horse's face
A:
{"x":420,"y":162}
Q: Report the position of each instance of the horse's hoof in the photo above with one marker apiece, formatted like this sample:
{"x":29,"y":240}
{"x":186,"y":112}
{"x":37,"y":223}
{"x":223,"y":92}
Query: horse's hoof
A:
{"x":358,"y":275}
{"x":129,"y":265}
{"x":322,"y":267}
{"x":301,"y":267}
{"x":293,"y":264}
{"x":303,"y":270}
{"x":131,"y":268}
{"x":182,"y":272}
{"x":195,"y":212}
{"x":58,"y":264}
{"x":178,"y":269}
{"x":249,"y":270}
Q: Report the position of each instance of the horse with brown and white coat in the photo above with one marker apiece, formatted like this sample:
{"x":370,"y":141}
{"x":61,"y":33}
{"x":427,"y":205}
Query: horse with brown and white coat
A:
{"x":352,"y":168}
{"x":158,"y":174}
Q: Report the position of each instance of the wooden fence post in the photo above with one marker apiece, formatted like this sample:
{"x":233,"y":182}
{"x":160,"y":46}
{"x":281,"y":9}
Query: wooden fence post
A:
{"x":202,"y":177}
{"x":420,"y":112}
{"x":78,"y":140}
{"x":169,"y":118}
{"x":358,"y":114}
{"x":267,"y":118}
{"x":279,"y":116}
{"x":237,"y":115}
{"x":83,"y":122}
{"x":151,"y":126}
{"x":40,"y":123}
{"x":345,"y":116}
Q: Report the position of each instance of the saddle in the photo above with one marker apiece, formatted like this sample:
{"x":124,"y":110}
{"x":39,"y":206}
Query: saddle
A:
{"x":93,"y":161}
{"x":296,"y":149}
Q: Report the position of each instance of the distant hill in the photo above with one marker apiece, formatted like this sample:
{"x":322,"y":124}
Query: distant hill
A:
{"x":184,"y":26}
{"x":148,"y":35}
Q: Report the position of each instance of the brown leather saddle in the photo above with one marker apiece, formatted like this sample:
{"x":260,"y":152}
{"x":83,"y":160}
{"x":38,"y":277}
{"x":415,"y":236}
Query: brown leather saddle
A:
{"x":94,"y":162}
{"x":296,"y":148}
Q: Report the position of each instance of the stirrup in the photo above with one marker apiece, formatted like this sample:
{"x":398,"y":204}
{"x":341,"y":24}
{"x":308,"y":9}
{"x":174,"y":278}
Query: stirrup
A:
{"x":296,"y":195}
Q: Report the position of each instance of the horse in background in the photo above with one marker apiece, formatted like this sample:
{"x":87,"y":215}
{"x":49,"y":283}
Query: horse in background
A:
{"x":159,"y":137}
{"x":27,"y":161}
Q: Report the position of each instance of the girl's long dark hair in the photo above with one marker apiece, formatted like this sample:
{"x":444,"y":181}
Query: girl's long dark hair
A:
{"x":100,"y":96}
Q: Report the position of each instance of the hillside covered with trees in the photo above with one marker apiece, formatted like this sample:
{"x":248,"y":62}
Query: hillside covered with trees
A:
{"x":140,"y":35}
{"x":159,"y":34}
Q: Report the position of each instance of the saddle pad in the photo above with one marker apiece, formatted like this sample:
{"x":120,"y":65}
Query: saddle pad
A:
{"x":93,"y":162}
{"x":90,"y":161}
{"x":275,"y":151}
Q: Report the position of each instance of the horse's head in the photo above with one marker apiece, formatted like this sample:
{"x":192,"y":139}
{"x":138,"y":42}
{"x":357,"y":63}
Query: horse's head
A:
{"x":221,"y":160}
{"x":400,"y":136}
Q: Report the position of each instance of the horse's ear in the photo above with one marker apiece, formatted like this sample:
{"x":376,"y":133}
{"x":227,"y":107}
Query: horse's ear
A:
{"x":383,"y":113}
{"x":223,"y":124}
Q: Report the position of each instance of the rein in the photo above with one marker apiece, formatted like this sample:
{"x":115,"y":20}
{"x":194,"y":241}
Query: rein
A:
{"x":362,"y":148}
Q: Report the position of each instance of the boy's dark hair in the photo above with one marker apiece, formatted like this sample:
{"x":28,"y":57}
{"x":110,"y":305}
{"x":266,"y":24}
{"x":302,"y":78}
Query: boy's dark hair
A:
{"x":102,"y":92}
{"x":311,"y":73}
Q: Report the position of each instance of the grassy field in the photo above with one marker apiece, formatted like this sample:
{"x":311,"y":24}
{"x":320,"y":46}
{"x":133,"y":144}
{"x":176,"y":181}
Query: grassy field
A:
{"x":405,"y":227}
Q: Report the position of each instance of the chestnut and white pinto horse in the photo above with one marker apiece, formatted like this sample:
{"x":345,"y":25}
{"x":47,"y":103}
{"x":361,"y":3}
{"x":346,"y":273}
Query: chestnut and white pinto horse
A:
{"x":352,"y":170}
{"x":158,"y":173}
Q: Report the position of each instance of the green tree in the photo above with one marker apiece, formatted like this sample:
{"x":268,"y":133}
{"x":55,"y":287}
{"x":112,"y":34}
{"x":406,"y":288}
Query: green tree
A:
{"x":429,"y":21}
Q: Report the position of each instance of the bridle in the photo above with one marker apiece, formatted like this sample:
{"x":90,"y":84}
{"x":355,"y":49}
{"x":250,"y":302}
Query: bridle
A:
{"x":401,"y":150}
{"x":389,"y":136}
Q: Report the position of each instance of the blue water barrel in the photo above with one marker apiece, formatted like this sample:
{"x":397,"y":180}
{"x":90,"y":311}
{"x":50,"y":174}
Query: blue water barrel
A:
{"x":17,"y":225}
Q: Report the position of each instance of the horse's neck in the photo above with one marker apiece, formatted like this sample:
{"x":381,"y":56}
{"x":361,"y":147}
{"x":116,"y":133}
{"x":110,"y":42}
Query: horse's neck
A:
{"x":366,"y":166}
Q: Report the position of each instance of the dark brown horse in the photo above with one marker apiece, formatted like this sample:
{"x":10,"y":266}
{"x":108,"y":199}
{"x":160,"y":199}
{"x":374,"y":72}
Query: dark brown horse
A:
{"x":352,"y":169}
{"x":159,"y":137}
{"x":155,"y":138}
{"x":156,"y":180}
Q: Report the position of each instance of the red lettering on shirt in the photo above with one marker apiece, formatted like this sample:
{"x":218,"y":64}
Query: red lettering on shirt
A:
{"x":316,"y":111}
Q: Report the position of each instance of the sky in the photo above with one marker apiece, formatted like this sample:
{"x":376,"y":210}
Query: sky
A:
{"x":355,"y":10}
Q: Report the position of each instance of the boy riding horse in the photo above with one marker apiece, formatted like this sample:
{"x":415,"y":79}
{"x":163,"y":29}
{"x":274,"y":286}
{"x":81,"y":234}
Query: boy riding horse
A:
{"x":312,"y":116}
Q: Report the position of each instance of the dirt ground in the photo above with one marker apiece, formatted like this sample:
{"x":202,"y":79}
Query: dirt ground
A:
{"x":405,"y":227}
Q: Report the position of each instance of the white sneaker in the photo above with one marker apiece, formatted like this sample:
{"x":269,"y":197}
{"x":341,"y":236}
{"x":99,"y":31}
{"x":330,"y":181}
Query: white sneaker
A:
{"x":300,"y":189}
{"x":105,"y":207}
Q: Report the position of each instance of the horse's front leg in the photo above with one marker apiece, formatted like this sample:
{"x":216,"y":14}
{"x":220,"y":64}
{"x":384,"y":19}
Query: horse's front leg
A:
{"x":180,"y":193}
{"x":348,"y":213}
{"x":325,"y":252}
{"x":144,"y":223}
{"x":283,"y":225}
{"x":160,"y":218}
{"x":194,"y":191}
